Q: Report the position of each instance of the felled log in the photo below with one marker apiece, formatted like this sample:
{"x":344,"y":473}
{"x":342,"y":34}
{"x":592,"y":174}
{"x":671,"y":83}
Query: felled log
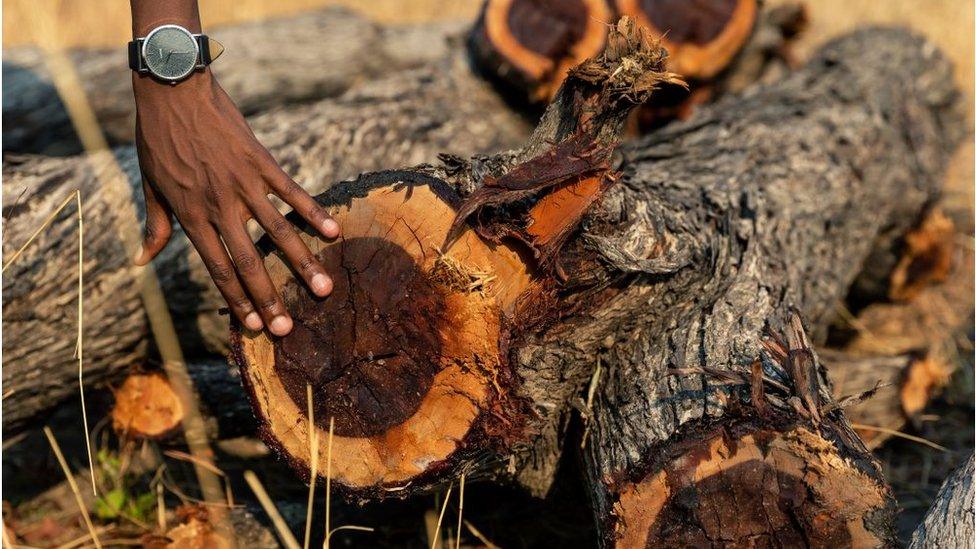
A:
{"x":761,"y":237}
{"x":951,"y":521}
{"x":648,"y":271}
{"x":531,"y":44}
{"x":406,"y":117}
{"x":716,"y":47}
{"x":406,"y":355}
{"x":701,"y":38}
{"x":265,"y":64}
{"x":554,"y":365}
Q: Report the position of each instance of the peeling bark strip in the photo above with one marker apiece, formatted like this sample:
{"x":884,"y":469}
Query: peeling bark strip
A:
{"x":412,"y":366}
{"x":591,"y":108}
{"x":713,"y":229}
{"x":533,"y":43}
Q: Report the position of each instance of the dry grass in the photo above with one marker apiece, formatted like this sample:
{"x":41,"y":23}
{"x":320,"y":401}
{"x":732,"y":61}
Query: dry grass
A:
{"x":74,"y":487}
{"x":284,"y":533}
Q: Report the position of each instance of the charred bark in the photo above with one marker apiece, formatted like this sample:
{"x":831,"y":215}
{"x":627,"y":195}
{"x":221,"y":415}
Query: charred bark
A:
{"x":266,"y":64}
{"x":676,"y":279}
{"x":405,"y":118}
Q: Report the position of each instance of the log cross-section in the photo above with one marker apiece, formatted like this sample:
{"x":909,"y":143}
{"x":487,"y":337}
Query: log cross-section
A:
{"x":702,"y":37}
{"x":533,"y":43}
{"x":402,"y":355}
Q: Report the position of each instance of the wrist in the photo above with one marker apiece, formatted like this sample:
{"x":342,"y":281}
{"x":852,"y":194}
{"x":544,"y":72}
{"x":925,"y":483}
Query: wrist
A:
{"x":147,"y":88}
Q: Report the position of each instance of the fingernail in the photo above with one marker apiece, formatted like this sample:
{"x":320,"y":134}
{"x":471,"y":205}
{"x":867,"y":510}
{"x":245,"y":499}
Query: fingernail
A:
{"x":330,"y":228}
{"x":253,"y":321}
{"x":138,"y":255}
{"x":280,"y":325}
{"x":321,"y":284}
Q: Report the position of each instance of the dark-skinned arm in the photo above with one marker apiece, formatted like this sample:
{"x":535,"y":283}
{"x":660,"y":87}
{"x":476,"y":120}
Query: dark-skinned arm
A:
{"x":201,"y":162}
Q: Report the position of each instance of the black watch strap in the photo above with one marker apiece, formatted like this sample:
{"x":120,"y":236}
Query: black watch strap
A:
{"x":207,"y":53}
{"x":135,"y":55}
{"x":204,"y":42}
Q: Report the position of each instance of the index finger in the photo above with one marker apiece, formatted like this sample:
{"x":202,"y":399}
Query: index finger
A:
{"x":303,"y":203}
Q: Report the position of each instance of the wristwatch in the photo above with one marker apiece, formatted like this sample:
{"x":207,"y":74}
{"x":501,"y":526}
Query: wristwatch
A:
{"x":170,"y":53}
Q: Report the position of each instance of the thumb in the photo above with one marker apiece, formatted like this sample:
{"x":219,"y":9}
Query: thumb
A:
{"x":159,"y":225}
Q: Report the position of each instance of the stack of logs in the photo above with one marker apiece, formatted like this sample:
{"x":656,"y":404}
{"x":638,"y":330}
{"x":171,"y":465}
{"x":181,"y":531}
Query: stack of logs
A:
{"x":669,"y":290}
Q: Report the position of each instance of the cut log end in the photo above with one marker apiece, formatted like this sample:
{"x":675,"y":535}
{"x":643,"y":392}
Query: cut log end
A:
{"x":404,"y":355}
{"x":702,"y":38}
{"x":758,"y":487}
{"x":146,"y":407}
{"x":539,"y":40}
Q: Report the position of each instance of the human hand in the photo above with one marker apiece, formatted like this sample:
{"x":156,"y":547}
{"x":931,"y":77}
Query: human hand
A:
{"x":200,"y":161}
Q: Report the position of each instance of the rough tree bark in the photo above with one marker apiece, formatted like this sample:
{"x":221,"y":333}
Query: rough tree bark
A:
{"x":406,"y":118}
{"x":265,"y":64}
{"x":950,"y":521}
{"x":804,"y":190}
{"x":671,"y":299}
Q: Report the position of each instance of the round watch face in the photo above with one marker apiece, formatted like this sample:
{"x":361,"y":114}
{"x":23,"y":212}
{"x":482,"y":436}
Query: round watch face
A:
{"x":170,"y":52}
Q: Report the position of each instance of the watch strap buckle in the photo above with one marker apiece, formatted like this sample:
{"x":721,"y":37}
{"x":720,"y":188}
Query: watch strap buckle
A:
{"x":203,"y":50}
{"x":135,"y":56}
